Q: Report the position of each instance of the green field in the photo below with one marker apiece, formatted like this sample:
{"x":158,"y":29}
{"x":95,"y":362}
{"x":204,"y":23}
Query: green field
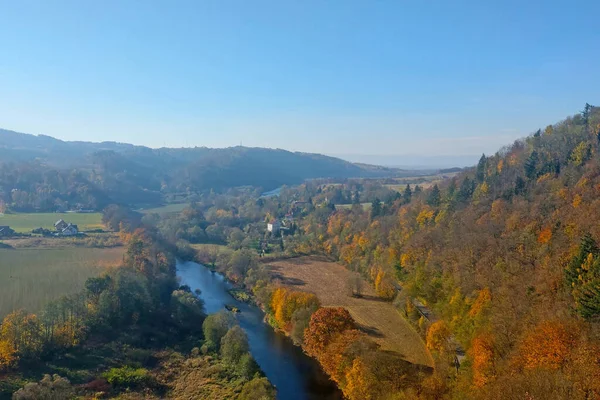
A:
{"x":30,"y":278}
{"x":366,"y":206}
{"x":169,"y":208}
{"x":25,"y":222}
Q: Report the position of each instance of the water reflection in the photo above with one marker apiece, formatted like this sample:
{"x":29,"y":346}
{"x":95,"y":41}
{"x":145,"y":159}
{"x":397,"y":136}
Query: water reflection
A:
{"x":296,"y":376}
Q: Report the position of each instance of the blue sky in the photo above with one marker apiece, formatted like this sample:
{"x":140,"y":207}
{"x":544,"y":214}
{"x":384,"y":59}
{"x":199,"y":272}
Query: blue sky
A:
{"x":336,"y":77}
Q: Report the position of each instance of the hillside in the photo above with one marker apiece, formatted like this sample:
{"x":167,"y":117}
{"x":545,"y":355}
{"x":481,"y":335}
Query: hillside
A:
{"x":43,"y":173}
{"x":505,"y":255}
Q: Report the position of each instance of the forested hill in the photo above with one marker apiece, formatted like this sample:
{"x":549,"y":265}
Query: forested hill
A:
{"x":507,"y":257}
{"x":43,"y":173}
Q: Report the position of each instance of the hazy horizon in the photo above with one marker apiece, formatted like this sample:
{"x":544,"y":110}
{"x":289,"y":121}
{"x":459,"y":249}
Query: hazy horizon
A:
{"x":345,"y":78}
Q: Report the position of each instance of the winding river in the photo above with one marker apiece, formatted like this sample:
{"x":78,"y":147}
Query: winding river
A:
{"x":295,"y":375}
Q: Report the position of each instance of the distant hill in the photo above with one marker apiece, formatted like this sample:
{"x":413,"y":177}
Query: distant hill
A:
{"x":43,"y":173}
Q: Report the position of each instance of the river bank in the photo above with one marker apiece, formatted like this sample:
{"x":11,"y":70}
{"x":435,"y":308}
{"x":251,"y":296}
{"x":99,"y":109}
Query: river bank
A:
{"x":295,"y":375}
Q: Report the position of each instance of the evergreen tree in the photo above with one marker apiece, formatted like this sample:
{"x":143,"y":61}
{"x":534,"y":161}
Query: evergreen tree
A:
{"x":519,"y":186}
{"x":376,"y":208}
{"x":407,"y":194}
{"x":585,"y":114}
{"x":583,"y":277}
{"x":451,"y":191}
{"x":531,"y":165}
{"x":587,"y":246}
{"x":417,"y":190}
{"x":434,"y":198}
{"x":466,"y":189}
{"x":481,"y":167}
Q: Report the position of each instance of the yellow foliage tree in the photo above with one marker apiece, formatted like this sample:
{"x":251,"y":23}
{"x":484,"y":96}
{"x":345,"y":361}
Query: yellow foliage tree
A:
{"x":383,"y":286}
{"x":23,"y":332}
{"x":438,"y":336}
{"x":484,"y":297}
{"x":8,"y":355}
{"x":360,"y":381}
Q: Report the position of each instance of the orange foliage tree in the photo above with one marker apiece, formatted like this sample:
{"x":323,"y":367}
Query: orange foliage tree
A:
{"x":336,"y":358}
{"x":483,"y":355}
{"x":548,"y":345}
{"x":324,"y":325}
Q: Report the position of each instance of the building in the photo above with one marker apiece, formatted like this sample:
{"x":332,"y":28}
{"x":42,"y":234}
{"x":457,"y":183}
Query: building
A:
{"x":274,"y":226}
{"x":69,"y":230}
{"x":60,"y":225}
{"x":65,"y":229}
{"x":5,"y":231}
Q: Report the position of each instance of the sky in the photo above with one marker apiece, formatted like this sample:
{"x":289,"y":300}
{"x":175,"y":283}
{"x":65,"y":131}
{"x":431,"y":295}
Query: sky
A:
{"x":350,"y":78}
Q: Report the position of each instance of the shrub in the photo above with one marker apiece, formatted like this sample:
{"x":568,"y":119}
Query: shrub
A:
{"x":128,"y":377}
{"x":49,"y":388}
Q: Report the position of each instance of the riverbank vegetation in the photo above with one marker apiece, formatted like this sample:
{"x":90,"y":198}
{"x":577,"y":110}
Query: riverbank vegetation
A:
{"x":124,"y":332}
{"x":500,"y":258}
{"x":504,"y":255}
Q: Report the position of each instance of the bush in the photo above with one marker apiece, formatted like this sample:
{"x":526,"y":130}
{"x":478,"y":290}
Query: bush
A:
{"x":257,"y":389}
{"x":127,"y":377}
{"x":49,"y":388}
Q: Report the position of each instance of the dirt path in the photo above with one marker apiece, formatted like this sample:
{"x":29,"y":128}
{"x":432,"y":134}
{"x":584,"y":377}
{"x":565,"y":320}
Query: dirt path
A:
{"x":378,"y":318}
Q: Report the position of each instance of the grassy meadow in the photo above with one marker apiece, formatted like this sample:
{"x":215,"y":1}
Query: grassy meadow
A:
{"x":366,"y":206}
{"x":30,"y":278}
{"x":25,"y":222}
{"x":167,"y":209}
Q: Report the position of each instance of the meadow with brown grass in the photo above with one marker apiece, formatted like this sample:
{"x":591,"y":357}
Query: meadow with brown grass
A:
{"x":30,"y":278}
{"x":378,"y":318}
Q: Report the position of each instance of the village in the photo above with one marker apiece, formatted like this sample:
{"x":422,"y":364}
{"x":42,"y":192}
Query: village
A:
{"x":61,"y":229}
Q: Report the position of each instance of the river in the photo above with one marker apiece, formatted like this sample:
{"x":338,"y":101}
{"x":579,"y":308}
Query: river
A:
{"x":295,"y":375}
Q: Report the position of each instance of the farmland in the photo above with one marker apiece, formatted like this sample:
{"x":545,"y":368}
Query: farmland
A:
{"x":379,"y":319}
{"x":30,"y":278}
{"x":25,"y":222}
{"x":366,"y":206}
{"x":167,"y":209}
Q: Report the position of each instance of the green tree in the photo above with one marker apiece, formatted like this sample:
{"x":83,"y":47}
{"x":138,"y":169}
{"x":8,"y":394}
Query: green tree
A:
{"x":215,"y":327}
{"x":583,"y":277}
{"x":258,"y":389}
{"x":466,"y":190}
{"x":234,"y":345}
{"x":407,"y":195}
{"x":481,"y":169}
{"x":519,"y":186}
{"x":186,"y":309}
{"x":585,"y":114}
{"x":531,"y":165}
{"x":434,"y":198}
{"x":376,"y":208}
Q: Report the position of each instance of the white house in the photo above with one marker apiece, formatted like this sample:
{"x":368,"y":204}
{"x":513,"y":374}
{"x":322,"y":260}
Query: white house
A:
{"x":69,"y":230}
{"x":274,"y":226}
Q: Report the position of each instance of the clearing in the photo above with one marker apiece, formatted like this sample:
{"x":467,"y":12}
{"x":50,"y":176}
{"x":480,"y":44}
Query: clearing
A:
{"x":25,"y":222}
{"x":379,"y":319}
{"x":30,"y":278}
{"x":166,"y":209}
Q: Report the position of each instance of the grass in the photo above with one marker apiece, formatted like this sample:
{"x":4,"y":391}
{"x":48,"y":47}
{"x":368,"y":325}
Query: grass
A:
{"x":167,"y":209}
{"x":30,"y":278}
{"x":366,"y":206}
{"x":379,"y":319}
{"x":25,"y":222}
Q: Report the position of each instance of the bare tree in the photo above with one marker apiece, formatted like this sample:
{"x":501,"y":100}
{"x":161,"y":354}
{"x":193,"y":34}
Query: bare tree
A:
{"x":355,"y":285}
